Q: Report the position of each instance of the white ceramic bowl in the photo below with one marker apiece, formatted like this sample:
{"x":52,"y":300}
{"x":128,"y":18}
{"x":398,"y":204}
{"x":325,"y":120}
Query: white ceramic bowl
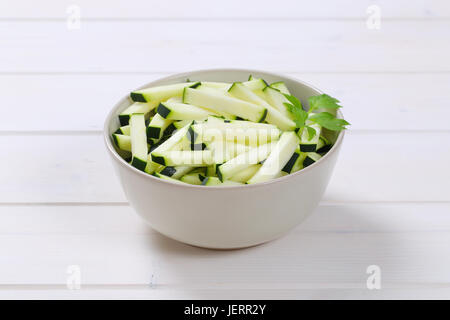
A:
{"x":224,"y":217}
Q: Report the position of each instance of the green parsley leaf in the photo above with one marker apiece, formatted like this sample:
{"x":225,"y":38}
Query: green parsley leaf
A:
{"x":299,"y":114}
{"x":325,"y":119}
{"x":329,"y":121}
{"x":311,"y":132}
{"x":296,"y":109}
{"x":293,"y":100}
{"x":323,"y":101}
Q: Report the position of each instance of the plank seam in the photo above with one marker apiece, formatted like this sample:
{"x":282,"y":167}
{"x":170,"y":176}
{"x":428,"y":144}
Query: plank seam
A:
{"x":222,"y":19}
{"x":164,"y":73}
{"x":99,"y":132}
{"x":126,"y":204}
{"x":299,"y":286}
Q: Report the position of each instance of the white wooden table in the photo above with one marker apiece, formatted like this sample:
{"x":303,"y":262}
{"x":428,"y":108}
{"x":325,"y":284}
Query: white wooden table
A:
{"x":62,"y":210}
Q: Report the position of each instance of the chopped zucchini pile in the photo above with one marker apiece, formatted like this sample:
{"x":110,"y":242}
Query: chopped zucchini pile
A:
{"x":218,"y":134}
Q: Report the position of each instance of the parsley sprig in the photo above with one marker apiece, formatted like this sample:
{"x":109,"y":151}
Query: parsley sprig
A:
{"x":325,"y":119}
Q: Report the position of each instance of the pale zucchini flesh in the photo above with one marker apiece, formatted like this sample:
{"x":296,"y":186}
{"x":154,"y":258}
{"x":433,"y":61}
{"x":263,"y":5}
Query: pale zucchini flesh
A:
{"x":165,"y":146}
{"x":289,"y":166}
{"x":123,"y":142}
{"x":323,"y":145}
{"x":192,"y":178}
{"x":214,"y":181}
{"x":206,"y":132}
{"x":216,"y":133}
{"x":125,"y":130}
{"x":281,"y":86}
{"x":188,"y":145}
{"x":277,"y":100}
{"x":221,"y":102}
{"x":310,"y":158}
{"x":246,"y":174}
{"x":157,"y":126}
{"x":216,"y":112}
{"x":255,"y":84}
{"x":223,"y":86}
{"x":164,"y":177}
{"x":298,"y":165}
{"x":307,"y":144}
{"x":273,"y":116}
{"x":161,"y":93}
{"x":176,"y":172}
{"x":277,"y":159}
{"x":181,"y":111}
{"x":137,"y":107}
{"x":225,"y":150}
{"x":181,"y":124}
{"x":241,"y":124}
{"x":138,"y":138}
{"x":211,"y":170}
{"x":176,"y":158}
{"x":244,"y":160}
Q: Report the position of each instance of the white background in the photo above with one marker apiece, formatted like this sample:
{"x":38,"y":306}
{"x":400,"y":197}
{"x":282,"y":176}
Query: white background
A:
{"x":388,"y":203}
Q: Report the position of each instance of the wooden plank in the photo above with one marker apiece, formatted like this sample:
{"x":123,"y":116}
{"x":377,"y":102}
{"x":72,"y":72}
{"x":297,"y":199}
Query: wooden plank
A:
{"x":81,"y":101}
{"x":149,"y":293}
{"x":167,"y":46}
{"x":230,"y":9}
{"x":61,"y":168}
{"x":300,"y":260}
{"x":371,"y":167}
{"x":323,"y":258}
{"x":395,"y":169}
{"x":112,"y":219}
{"x":114,"y":292}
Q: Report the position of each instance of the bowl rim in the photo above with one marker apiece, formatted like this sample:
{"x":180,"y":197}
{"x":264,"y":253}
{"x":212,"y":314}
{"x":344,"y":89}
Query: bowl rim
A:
{"x":122,"y":162}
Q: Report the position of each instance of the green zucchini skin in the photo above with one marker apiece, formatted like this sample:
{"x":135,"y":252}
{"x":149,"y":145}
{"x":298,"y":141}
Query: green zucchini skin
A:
{"x":198,"y":146}
{"x":138,"y":138}
{"x":153,"y":132}
{"x":191,"y":135}
{"x":138,"y":163}
{"x":307,"y":162}
{"x":159,"y":160}
{"x":156,"y":145}
{"x":169,"y":130}
{"x":310,"y":159}
{"x":324,"y":149}
{"x":290,"y":164}
{"x":263,"y":117}
{"x":137,"y":97}
{"x":164,"y":177}
{"x":163,"y":110}
{"x":168,"y":171}
{"x":124,"y":119}
{"x":218,"y":173}
{"x":116,"y":142}
{"x":323,"y":146}
{"x":308,"y":147}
